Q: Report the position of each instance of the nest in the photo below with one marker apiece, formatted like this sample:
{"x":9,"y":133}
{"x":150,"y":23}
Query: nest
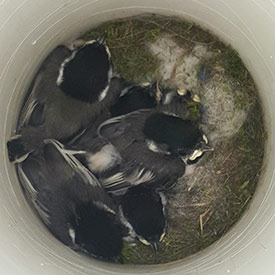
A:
{"x":204,"y":205}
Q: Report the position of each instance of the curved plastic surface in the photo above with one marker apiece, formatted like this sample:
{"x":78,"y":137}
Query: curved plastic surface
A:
{"x":30,"y":29}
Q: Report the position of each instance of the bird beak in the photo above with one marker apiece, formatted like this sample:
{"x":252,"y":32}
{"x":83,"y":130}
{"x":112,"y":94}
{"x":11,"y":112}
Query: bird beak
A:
{"x":196,"y":154}
{"x":101,"y":39}
{"x":181,"y":92}
{"x":196,"y":98}
{"x":206,"y":148}
{"x":205,"y":139}
{"x":155,"y":246}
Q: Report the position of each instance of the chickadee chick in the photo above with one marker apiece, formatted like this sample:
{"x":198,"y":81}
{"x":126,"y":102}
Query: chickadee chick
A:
{"x":145,"y":147}
{"x":143,"y":211}
{"x":144,"y":96}
{"x":134,"y":98}
{"x":188,"y":95}
{"x":71,"y":89}
{"x":71,"y":202}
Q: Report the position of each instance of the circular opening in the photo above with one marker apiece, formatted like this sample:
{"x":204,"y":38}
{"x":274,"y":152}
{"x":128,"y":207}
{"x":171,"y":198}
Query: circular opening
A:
{"x":33,"y":249}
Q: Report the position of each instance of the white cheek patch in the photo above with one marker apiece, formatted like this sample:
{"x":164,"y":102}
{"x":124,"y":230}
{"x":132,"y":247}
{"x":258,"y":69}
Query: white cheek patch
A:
{"x":152,"y":146}
{"x":131,"y":234}
{"x":125,"y":91}
{"x":108,"y":52}
{"x":90,"y":42}
{"x":163,"y":200}
{"x":104,"y":207}
{"x":168,"y":98}
{"x":170,"y":114}
{"x":162,"y":236}
{"x":104,"y":93}
{"x":61,"y":69}
{"x":106,"y":158}
{"x":72,"y":234}
{"x":72,"y":45}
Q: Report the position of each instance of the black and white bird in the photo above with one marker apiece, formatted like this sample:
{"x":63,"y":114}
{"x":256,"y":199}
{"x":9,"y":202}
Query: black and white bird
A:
{"x":71,"y":202}
{"x":149,"y":96}
{"x":134,"y":98}
{"x":142,"y":210}
{"x":145,"y":147}
{"x":70,"y":91}
{"x":135,"y":156}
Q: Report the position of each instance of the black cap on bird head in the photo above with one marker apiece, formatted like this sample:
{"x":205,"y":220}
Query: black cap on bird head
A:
{"x":179,"y":136}
{"x":144,"y":209}
{"x":86,"y":74}
{"x":97,"y":232}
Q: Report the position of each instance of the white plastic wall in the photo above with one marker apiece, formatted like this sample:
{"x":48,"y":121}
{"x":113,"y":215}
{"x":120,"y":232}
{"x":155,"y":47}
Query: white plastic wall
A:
{"x":30,"y":29}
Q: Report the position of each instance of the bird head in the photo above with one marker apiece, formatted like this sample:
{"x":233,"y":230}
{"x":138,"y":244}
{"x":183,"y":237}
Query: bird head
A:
{"x":177,"y":136}
{"x":188,"y":95}
{"x":201,"y":147}
{"x":153,"y":241}
{"x":96,"y":232}
{"x":86,"y":74}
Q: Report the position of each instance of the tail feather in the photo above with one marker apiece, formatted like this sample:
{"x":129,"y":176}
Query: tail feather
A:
{"x":16,"y":149}
{"x":29,"y":140}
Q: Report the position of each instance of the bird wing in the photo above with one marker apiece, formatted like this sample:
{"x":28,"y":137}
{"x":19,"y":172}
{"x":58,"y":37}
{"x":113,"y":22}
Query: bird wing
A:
{"x":30,"y":173}
{"x":124,"y":129}
{"x":56,"y":183}
{"x":31,"y":104}
{"x":123,"y":180}
{"x":132,"y":99}
{"x":117,"y":126}
{"x":60,"y":159}
{"x":139,"y":165}
{"x":33,"y":108}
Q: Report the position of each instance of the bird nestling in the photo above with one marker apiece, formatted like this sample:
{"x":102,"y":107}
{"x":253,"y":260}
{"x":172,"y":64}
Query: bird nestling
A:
{"x":145,"y":147}
{"x":142,"y":210}
{"x":71,"y":202}
{"x":70,"y":91}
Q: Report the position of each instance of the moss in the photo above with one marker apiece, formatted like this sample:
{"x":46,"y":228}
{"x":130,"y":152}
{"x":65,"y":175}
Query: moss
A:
{"x":194,"y":110}
{"x":234,"y":65}
{"x":127,"y":253}
{"x":250,"y":145}
{"x":128,"y":42}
